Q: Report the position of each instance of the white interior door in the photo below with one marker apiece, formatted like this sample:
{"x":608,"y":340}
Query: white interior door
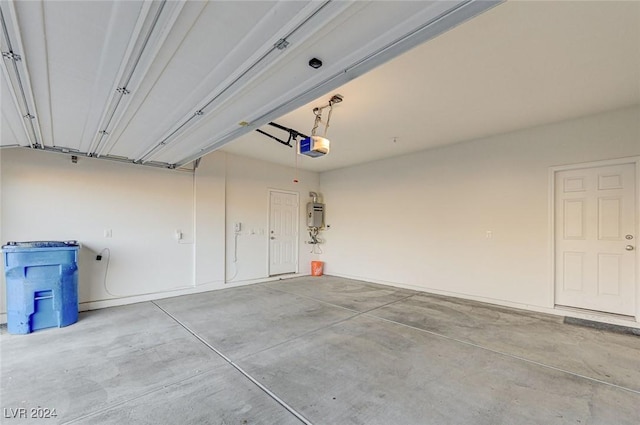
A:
{"x":595,"y":240}
{"x":283,"y":232}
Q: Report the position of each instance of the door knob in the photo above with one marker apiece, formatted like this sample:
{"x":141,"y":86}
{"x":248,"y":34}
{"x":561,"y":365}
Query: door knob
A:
{"x":273,"y":237}
{"x":629,"y":247}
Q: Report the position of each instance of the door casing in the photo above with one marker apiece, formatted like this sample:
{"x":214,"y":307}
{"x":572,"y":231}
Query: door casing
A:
{"x":297,"y":239}
{"x":552,"y":235}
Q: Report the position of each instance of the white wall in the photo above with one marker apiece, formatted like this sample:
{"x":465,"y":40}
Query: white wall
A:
{"x":46,"y":197}
{"x":210,"y":188}
{"x":418,"y":220}
{"x":421,"y":220}
{"x":248,"y":184}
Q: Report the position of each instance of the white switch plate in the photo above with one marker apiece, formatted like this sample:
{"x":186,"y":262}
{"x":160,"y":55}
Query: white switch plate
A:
{"x":108,"y":233}
{"x":489,"y":234}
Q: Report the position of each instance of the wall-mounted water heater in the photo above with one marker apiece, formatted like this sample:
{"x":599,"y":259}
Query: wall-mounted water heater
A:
{"x":315,"y":214}
{"x":315,"y":222}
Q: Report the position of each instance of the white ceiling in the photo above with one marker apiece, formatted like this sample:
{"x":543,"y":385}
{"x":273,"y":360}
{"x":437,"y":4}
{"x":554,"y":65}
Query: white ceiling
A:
{"x":518,"y":65}
{"x":165,"y":82}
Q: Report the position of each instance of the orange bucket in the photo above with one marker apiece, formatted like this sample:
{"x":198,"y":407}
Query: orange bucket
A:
{"x":316,"y":268}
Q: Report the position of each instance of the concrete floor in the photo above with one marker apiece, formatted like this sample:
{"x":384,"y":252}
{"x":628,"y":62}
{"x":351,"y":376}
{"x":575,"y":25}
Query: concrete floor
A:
{"x":322,"y":351}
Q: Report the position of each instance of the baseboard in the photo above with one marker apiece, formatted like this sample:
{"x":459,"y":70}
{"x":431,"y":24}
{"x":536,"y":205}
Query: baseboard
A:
{"x":213,"y":286}
{"x":206,"y":287}
{"x":582,"y":314}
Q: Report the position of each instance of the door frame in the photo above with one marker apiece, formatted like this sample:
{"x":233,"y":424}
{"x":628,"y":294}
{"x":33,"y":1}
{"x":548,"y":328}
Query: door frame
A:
{"x":297,"y":245}
{"x":552,"y":228}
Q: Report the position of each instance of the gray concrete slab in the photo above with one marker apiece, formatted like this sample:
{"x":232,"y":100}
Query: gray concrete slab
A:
{"x":352,"y":294}
{"x":368,"y":371}
{"x":109,"y":356}
{"x":608,"y":356}
{"x":242,"y":321}
{"x":221,"y":396}
{"x":418,"y":360}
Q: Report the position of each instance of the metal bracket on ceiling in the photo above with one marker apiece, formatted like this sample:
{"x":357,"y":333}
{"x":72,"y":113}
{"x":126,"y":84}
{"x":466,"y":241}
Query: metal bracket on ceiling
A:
{"x":122,"y":90}
{"x":12,"y":56}
{"x":336,"y":98}
{"x":281,"y":44}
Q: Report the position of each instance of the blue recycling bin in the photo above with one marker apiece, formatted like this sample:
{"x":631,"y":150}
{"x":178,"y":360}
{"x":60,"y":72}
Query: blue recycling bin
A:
{"x":42,"y":285}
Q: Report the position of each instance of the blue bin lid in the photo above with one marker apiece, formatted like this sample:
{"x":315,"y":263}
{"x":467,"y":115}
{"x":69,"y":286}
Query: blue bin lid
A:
{"x":41,"y":244}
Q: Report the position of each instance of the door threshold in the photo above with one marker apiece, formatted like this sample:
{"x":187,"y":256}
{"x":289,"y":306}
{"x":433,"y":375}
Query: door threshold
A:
{"x":285,"y":275}
{"x":598,"y":316}
{"x":601,"y":326}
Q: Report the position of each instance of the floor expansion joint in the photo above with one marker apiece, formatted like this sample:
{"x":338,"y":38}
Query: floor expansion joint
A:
{"x":239,"y":369}
{"x":506,"y":354}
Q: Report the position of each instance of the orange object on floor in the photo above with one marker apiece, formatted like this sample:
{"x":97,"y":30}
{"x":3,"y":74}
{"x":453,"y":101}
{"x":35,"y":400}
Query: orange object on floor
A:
{"x":316,"y":268}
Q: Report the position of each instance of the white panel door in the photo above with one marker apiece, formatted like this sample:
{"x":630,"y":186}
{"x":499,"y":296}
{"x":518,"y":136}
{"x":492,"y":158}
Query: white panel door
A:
{"x":595,"y":238}
{"x":283,"y":232}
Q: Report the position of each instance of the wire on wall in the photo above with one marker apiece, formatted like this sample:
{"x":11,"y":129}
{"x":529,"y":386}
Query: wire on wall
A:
{"x":235,"y":257}
{"x":107,"y":251}
{"x":106,"y":270}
